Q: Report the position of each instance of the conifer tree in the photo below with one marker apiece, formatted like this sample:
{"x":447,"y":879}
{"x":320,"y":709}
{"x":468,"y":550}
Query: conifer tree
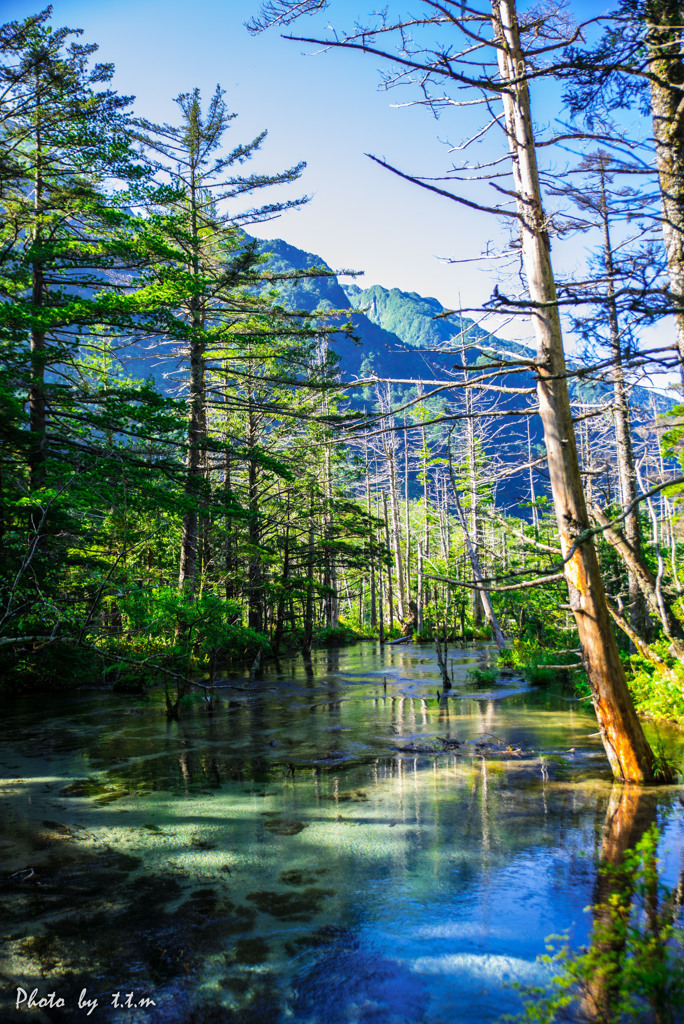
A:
{"x":210,"y":261}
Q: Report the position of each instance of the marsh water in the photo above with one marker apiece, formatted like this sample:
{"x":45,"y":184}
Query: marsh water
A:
{"x":337,"y":843}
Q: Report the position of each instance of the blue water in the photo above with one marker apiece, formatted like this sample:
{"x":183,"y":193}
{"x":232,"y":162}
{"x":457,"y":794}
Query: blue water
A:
{"x":337,"y":843}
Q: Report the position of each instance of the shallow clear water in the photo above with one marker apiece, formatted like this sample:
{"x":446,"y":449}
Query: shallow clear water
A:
{"x":335,"y":844}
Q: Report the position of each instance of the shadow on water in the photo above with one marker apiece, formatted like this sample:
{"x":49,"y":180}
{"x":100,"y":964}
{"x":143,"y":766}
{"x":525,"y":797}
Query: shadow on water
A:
{"x":338,"y":842}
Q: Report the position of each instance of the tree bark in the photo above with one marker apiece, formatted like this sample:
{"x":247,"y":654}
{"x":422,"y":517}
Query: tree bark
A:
{"x":308,"y":609}
{"x":389,"y":571}
{"x":373,"y":606}
{"x":193,"y":467}
{"x":37,"y":403}
{"x":284,"y":584}
{"x":485,"y":599}
{"x":474,"y":539}
{"x":255,"y":583}
{"x":390,"y":454}
{"x":628,"y":752}
{"x":666,"y":68}
{"x":623,"y":430}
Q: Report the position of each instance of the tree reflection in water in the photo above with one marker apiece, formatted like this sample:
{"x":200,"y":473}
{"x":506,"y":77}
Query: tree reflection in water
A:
{"x":631,"y":970}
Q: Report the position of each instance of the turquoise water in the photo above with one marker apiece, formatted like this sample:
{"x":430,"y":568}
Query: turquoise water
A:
{"x":337,"y":843}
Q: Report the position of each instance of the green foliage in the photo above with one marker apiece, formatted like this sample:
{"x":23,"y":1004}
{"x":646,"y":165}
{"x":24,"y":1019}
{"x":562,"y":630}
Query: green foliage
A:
{"x":506,"y":658}
{"x":633,"y":968}
{"x":531,"y":659}
{"x":658,"y":692}
{"x":482,"y":677}
{"x":337,"y":636}
{"x":166,"y":622}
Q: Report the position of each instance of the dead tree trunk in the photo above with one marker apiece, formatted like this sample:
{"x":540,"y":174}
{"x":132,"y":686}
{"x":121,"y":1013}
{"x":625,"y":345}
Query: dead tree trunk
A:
{"x":255,"y":615}
{"x":629,"y":754}
{"x":389,"y":570}
{"x":474,"y":532}
{"x":623,"y":431}
{"x":419,"y":588}
{"x":666,"y":77}
{"x":308,"y":605}
{"x":485,"y":599}
{"x":373,"y":606}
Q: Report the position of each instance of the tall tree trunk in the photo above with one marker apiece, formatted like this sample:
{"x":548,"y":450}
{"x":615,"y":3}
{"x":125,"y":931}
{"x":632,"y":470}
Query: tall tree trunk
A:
{"x":373,"y":606}
{"x":196,"y":419}
{"x":389,"y":448}
{"x":419,"y":589}
{"x":490,"y":614}
{"x":623,"y":431}
{"x":389,"y":571}
{"x":533,"y":496}
{"x":284,"y":583}
{"x":332,"y":603}
{"x":666,"y":69}
{"x":406,"y":512}
{"x":628,"y":752}
{"x":308,"y":607}
{"x":37,"y":402}
{"x":255,"y":583}
{"x":193,"y":469}
{"x":381,"y":600}
{"x":426,"y":498}
{"x":230,"y":555}
{"x":474,"y":538}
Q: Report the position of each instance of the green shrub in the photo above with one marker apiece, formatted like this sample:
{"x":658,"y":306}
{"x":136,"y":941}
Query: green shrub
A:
{"x":481,"y":677}
{"x":657,"y":693}
{"x":336,"y":636}
{"x":162,"y":625}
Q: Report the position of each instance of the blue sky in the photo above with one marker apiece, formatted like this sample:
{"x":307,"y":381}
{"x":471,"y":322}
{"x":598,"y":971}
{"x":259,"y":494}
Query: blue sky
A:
{"x":326,"y":109}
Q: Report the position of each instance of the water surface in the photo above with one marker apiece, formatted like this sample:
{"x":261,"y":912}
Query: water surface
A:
{"x":336,"y":843}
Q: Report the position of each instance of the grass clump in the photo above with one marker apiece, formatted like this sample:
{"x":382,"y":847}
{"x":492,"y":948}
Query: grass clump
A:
{"x":481,"y":676}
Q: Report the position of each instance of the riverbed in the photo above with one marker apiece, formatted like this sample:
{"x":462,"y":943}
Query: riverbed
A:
{"x":336,"y":843}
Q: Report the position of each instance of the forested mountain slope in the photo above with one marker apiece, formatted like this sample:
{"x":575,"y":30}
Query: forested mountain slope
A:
{"x":406,"y":335}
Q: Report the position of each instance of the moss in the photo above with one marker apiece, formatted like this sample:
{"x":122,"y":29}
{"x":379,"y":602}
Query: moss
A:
{"x":149,"y":894}
{"x":290,"y":906}
{"x":324,"y":936}
{"x":294,"y":877}
{"x":241,"y":921}
{"x":44,"y":948}
{"x":253,"y":950}
{"x":127,"y":862}
{"x":111,"y":796}
{"x":358,"y":796}
{"x":85,"y":787}
{"x":199,"y":843}
{"x":284,"y":826}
